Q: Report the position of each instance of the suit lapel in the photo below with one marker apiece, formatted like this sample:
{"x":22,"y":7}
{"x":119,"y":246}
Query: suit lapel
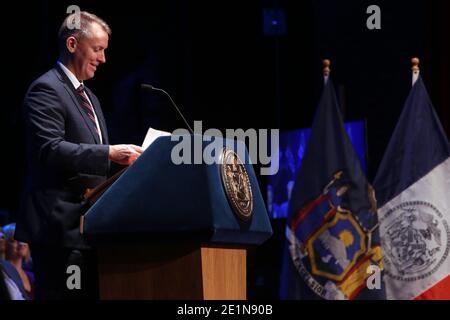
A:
{"x":78,"y":103}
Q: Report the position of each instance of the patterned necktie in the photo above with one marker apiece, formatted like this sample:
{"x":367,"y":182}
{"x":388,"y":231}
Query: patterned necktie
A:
{"x":88,"y":107}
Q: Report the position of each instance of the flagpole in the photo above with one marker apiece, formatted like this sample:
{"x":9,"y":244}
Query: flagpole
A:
{"x":415,"y":69}
{"x":326,"y":70}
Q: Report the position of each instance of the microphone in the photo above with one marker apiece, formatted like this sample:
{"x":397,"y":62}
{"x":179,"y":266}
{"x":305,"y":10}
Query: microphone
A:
{"x":150,"y":88}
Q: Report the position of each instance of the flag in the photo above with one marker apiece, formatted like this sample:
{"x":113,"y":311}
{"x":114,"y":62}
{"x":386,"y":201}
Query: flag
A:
{"x":413,"y":191}
{"x":332,"y":240}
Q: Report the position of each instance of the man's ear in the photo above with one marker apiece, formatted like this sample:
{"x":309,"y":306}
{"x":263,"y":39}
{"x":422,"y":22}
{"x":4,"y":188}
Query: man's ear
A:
{"x":71,"y":44}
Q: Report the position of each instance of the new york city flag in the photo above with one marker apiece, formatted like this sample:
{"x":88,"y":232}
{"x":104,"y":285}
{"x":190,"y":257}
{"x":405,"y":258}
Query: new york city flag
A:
{"x":333,"y":244}
{"x":413,"y":191}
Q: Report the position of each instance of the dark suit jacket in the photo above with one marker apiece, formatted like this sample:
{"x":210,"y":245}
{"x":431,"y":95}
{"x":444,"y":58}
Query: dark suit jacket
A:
{"x":64,"y":157}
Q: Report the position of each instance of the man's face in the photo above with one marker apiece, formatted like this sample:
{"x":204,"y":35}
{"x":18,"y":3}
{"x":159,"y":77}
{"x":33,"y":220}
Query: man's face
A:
{"x":89,"y":52}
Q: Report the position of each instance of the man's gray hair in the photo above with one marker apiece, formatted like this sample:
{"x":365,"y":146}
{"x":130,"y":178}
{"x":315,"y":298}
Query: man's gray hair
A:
{"x":68,"y":28}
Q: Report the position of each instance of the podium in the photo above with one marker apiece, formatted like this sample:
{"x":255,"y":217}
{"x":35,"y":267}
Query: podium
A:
{"x":178,"y":231}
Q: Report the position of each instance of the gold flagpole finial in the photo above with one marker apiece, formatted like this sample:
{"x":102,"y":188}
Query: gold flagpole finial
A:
{"x":326,"y":67}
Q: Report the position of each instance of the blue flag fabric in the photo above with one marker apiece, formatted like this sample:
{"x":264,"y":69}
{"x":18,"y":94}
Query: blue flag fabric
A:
{"x":412,"y":186}
{"x":418,"y":144}
{"x":333,"y":244}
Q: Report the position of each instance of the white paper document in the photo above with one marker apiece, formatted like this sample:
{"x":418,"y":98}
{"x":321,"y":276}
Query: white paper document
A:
{"x":152,"y":135}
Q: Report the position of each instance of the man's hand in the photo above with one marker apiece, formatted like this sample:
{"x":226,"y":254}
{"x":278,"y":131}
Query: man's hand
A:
{"x":124,"y":154}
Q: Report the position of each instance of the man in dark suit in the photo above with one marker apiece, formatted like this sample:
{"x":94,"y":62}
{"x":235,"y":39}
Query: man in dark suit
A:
{"x":67,"y":152}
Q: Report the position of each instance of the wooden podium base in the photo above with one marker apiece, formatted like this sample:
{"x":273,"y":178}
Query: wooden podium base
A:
{"x":178,"y":272}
